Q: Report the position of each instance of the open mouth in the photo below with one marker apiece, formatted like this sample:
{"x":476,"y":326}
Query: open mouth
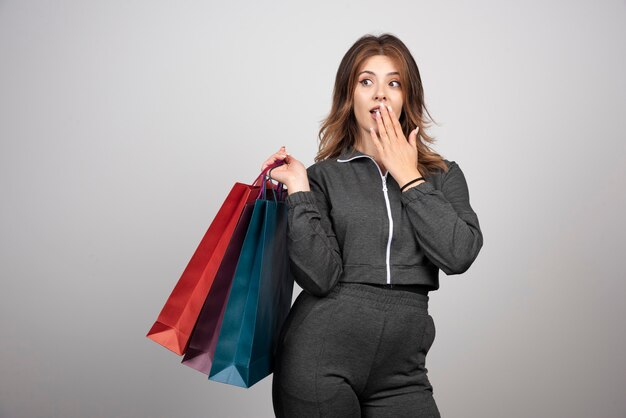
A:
{"x":374,"y":110}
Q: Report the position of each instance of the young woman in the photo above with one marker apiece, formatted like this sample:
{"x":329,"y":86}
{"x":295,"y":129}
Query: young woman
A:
{"x":370,"y":225}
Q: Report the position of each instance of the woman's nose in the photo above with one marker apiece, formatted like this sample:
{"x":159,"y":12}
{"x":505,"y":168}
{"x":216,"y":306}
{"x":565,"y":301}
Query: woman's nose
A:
{"x":380,"y":95}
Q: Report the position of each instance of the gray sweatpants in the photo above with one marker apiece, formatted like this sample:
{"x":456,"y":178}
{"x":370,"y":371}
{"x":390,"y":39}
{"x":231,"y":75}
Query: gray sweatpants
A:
{"x":360,"y":351}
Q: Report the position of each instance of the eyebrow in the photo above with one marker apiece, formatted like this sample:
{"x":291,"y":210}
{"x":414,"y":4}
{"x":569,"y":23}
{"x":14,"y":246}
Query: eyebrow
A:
{"x":372,"y":73}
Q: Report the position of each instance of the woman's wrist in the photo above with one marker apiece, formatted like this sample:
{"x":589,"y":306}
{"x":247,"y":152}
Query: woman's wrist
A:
{"x":299,"y":186}
{"x":410,"y":186}
{"x":409,"y":179}
{"x":412,"y":183}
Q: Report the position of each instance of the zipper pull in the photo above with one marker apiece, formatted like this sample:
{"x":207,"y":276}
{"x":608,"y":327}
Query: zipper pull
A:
{"x":384,"y":184}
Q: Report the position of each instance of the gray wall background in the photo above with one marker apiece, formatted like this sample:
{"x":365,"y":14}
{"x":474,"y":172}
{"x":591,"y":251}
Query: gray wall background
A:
{"x":123,"y":125}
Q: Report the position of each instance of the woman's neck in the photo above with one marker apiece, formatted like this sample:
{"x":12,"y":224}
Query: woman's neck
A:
{"x":367,"y":147}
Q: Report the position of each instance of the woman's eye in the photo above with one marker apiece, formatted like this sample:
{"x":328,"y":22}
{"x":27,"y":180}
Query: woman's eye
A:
{"x":364,"y":82}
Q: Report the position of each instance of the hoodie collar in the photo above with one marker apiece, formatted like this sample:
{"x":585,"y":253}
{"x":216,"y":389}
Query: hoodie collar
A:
{"x":349,"y":153}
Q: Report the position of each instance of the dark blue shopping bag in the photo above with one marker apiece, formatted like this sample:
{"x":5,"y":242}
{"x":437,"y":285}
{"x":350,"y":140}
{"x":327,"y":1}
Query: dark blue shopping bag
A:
{"x":259,"y":299}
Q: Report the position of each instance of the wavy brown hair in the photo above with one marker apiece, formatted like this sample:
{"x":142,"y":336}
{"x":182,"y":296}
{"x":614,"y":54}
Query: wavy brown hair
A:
{"x":339,"y":129}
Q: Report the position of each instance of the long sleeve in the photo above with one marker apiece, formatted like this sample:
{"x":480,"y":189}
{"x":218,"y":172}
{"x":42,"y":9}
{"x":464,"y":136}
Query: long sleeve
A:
{"x":314,"y":254}
{"x":445,"y":224}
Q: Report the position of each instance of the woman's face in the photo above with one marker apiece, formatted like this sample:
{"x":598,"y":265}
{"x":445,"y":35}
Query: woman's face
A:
{"x":378,"y":83}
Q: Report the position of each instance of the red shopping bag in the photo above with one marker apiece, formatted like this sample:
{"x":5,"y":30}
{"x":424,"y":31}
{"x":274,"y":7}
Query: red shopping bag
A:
{"x":178,"y":317}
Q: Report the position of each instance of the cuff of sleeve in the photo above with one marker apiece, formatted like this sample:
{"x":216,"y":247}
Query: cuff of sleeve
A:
{"x":418,"y":192}
{"x":302,"y":197}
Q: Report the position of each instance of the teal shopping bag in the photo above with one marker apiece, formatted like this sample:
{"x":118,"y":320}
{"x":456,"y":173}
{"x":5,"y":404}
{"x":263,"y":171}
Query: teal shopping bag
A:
{"x":259,"y":299}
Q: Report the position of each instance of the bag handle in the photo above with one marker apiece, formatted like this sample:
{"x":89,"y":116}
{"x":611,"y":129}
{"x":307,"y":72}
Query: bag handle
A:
{"x":262,"y":190}
{"x":279,"y":185}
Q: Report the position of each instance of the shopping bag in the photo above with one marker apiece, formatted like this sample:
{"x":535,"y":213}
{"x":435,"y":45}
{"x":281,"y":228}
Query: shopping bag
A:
{"x":201,"y":349}
{"x":178,"y":317}
{"x":259,"y":299}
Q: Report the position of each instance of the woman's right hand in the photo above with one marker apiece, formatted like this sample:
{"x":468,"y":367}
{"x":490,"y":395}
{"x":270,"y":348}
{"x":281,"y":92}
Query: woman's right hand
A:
{"x":292,"y":173}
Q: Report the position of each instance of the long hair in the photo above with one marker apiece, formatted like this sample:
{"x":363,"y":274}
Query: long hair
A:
{"x":339,"y":129}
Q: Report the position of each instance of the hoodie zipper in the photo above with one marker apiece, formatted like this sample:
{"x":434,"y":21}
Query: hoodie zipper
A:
{"x":388,"y":205}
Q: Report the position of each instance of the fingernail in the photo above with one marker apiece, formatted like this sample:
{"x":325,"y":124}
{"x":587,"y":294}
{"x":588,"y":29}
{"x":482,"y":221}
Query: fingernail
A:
{"x":389,"y":108}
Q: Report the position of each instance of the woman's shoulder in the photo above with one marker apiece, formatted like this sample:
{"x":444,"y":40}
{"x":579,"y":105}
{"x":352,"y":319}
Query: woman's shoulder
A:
{"x":319,"y":167}
{"x":453,"y":167}
{"x":438,"y":176}
{"x":438,"y":172}
{"x":454,"y":176}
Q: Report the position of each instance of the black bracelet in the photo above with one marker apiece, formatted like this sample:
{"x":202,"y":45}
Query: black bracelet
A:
{"x":411,"y":182}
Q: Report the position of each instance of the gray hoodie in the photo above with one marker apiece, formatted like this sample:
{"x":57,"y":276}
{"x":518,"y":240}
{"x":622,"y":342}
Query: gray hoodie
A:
{"x":356,"y":226}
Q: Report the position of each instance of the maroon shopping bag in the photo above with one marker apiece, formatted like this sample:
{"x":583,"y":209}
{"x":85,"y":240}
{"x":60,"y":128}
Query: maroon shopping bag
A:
{"x":199,"y":354}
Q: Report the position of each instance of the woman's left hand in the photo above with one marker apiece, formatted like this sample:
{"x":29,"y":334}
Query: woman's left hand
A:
{"x":397,"y":154}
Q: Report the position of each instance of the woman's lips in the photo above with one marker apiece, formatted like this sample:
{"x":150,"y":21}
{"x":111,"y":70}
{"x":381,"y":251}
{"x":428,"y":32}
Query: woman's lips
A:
{"x":373,"y":112}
